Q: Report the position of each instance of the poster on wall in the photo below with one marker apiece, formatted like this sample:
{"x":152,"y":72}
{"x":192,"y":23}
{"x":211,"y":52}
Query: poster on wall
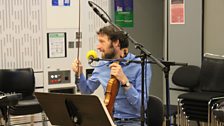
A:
{"x":56,"y":44}
{"x":124,"y":13}
{"x":177,"y":11}
{"x":60,"y":2}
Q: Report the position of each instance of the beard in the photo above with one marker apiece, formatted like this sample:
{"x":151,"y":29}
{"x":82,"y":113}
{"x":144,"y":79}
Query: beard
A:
{"x":110,"y":54}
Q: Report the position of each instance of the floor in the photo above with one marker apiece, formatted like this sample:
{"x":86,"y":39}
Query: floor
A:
{"x":37,"y":118}
{"x":26,"y":120}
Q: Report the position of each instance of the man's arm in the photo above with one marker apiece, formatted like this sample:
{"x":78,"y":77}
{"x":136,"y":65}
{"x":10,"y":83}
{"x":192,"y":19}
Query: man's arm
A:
{"x":85,"y":86}
{"x":133,"y":92}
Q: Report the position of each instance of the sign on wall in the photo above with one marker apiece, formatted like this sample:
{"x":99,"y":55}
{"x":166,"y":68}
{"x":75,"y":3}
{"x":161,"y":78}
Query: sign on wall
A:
{"x":177,"y":12}
{"x":124,"y":13}
{"x":56,"y":44}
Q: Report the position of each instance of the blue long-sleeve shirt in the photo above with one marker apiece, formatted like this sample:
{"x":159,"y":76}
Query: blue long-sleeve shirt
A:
{"x":128,"y":102}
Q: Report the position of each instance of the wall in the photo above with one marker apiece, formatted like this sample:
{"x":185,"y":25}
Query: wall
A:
{"x":213,"y":26}
{"x":24,"y":25}
{"x":184,"y":42}
{"x":148,"y":30}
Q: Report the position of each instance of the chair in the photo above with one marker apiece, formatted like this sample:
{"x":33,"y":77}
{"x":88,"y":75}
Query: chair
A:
{"x":217,"y":112}
{"x":188,"y":84}
{"x":154,"y":111}
{"x":19,"y":81}
{"x":204,"y":84}
{"x":179,"y":79}
{"x":187,"y":77}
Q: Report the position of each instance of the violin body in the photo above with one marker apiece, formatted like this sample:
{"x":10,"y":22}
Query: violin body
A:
{"x":111,"y":93}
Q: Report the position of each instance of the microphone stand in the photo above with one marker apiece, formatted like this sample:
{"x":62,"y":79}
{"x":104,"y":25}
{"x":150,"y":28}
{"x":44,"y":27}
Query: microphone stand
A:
{"x":144,"y":54}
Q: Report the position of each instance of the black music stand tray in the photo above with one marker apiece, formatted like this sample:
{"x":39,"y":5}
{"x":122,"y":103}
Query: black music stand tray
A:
{"x":74,"y":110}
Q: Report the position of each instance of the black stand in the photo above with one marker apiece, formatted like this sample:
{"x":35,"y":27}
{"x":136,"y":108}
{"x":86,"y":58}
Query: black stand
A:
{"x":166,"y":72}
{"x":144,"y":54}
{"x":74,"y":110}
{"x":7,"y":100}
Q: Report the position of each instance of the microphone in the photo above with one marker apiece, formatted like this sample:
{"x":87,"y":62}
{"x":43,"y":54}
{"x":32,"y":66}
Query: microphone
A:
{"x":91,"y":55}
{"x":97,"y":12}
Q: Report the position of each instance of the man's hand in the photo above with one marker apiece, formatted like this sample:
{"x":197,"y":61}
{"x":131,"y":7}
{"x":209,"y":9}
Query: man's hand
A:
{"x":77,"y":67}
{"x":117,"y":71}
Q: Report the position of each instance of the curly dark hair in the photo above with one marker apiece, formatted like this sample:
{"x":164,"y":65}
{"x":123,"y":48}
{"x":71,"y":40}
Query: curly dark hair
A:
{"x":114,"y":35}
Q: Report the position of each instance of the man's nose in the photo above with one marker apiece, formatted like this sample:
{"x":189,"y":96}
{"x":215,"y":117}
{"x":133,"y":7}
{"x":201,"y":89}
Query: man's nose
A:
{"x":98,"y":46}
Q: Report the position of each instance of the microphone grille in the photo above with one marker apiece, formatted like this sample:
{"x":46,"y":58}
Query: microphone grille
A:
{"x":91,"y":54}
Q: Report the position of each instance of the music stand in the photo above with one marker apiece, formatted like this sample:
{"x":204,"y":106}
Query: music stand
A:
{"x":74,"y":110}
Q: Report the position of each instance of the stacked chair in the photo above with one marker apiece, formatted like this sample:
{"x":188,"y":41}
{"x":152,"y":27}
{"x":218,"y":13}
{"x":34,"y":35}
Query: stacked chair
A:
{"x":19,"y":81}
{"x":205,"y":84}
{"x":217,"y":112}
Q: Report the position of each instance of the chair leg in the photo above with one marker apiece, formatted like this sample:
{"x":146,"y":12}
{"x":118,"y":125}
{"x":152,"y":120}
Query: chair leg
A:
{"x":213,"y":120}
{"x":5,"y":115}
{"x":1,"y":121}
{"x":198,"y":123}
{"x":44,"y":119}
{"x":209,"y":114}
{"x":178,"y":112}
{"x":32,"y":120}
{"x":174,"y":120}
{"x":188,"y":122}
{"x":8,"y":122}
{"x":184,"y":118}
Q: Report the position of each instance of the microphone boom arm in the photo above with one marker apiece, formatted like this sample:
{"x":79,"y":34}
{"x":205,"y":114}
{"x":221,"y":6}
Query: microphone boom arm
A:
{"x":145,"y":53}
{"x":137,"y":45}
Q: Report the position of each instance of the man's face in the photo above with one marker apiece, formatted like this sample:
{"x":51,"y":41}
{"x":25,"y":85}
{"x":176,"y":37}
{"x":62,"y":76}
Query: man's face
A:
{"x":105,"y":46}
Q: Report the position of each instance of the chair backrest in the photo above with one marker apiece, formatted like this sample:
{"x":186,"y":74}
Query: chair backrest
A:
{"x":187,"y":76}
{"x":17,"y":81}
{"x":212,"y":73}
{"x":155,"y":111}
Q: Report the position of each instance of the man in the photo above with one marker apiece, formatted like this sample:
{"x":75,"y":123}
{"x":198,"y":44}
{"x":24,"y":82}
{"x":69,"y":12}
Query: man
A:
{"x":113,"y":44}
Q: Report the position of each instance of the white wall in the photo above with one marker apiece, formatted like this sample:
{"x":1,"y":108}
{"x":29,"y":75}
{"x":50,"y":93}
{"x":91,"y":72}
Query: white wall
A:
{"x":24,"y":25}
{"x":213,"y":26}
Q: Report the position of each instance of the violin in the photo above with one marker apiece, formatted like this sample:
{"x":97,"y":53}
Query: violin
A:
{"x":112,"y":90}
{"x":111,"y":93}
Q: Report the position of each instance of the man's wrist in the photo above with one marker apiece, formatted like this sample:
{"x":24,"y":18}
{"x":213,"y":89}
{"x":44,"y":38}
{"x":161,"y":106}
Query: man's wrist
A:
{"x":127,"y":84}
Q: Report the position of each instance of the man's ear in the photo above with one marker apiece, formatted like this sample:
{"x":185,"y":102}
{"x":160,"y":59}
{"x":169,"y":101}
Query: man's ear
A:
{"x":124,"y":52}
{"x":117,"y":44}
